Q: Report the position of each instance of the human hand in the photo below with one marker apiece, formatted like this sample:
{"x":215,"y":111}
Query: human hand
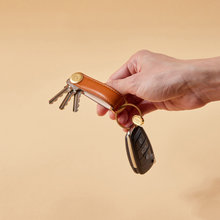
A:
{"x":154,"y":81}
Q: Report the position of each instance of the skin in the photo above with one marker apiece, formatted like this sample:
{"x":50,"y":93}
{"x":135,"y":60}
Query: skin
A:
{"x":155,"y":81}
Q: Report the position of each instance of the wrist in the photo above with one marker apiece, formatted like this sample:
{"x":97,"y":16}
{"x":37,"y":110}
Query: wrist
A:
{"x":203,"y":79}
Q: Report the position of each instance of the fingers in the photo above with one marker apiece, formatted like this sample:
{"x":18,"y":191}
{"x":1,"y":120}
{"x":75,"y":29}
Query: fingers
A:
{"x":123,"y":86}
{"x":120,"y":81}
{"x":101,"y":111}
{"x":146,"y":107}
{"x":125,"y":118}
{"x":121,"y":73}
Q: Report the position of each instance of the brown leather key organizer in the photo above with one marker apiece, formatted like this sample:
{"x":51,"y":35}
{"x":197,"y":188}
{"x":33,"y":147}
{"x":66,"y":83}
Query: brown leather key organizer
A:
{"x":99,"y":92}
{"x":139,"y":150}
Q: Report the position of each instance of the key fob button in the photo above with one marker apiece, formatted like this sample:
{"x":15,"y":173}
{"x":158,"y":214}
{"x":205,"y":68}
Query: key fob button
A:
{"x":146,"y":157}
{"x":140,"y":140}
{"x":139,"y":150}
{"x":143,"y":149}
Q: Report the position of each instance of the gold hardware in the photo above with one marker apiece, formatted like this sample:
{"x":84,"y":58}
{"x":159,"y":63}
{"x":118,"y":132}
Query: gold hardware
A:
{"x":116,"y":117}
{"x":136,"y":119}
{"x":76,"y":77}
{"x":120,"y":109}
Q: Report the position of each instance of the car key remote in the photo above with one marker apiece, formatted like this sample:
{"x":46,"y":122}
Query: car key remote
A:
{"x":139,"y":150}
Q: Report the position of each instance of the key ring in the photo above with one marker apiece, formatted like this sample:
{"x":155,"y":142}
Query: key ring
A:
{"x":136,"y":119}
{"x":120,"y":109}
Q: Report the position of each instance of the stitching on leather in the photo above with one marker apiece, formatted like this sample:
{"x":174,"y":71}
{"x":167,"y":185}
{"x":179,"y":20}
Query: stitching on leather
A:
{"x":104,"y":85}
{"x":102,"y":97}
{"x":96,"y":94}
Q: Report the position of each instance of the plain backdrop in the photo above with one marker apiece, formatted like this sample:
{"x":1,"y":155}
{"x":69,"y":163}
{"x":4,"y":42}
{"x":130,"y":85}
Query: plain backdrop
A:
{"x":62,"y":165}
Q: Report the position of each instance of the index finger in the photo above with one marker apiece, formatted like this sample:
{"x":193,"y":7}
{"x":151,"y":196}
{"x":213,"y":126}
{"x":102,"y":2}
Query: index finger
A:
{"x":121,"y":73}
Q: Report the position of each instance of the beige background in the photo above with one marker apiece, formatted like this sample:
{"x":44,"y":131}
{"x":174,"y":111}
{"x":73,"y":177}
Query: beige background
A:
{"x":59,"y":165}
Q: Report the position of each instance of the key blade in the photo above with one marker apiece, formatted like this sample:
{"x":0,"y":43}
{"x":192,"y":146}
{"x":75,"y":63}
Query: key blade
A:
{"x":59,"y":94}
{"x":66,"y":99}
{"x":76,"y":100}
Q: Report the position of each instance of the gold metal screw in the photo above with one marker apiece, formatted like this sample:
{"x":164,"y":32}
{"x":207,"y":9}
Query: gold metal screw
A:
{"x":137,"y":120}
{"x":76,"y":77}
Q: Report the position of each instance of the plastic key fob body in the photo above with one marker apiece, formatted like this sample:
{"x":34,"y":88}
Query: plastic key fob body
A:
{"x":139,"y":150}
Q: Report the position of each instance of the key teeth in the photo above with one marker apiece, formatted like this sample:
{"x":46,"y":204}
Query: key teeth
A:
{"x":66,"y":100}
{"x":51,"y":102}
{"x":78,"y":101}
{"x":63,"y":107}
{"x":77,"y":108}
{"x":59,"y":94}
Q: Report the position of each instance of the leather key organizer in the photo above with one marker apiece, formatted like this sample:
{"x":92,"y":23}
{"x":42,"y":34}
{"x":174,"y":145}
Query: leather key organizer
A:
{"x":98,"y":91}
{"x":141,"y":160}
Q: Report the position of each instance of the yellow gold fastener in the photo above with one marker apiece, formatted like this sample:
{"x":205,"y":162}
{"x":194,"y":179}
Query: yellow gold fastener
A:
{"x":76,"y":77}
{"x":136,"y":119}
{"x":120,"y":109}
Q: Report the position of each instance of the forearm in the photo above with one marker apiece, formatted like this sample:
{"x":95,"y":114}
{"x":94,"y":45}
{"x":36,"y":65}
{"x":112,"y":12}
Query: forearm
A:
{"x":204,"y":79}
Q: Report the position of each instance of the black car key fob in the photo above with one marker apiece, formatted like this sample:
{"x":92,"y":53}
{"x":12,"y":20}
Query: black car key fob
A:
{"x":139,"y":150}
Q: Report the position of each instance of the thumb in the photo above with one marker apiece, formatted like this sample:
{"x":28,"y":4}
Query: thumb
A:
{"x":124,"y":86}
{"x":121,"y":85}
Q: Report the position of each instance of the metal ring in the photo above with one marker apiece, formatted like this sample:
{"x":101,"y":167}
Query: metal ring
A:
{"x":116,"y":117}
{"x":120,"y":109}
{"x":123,"y":107}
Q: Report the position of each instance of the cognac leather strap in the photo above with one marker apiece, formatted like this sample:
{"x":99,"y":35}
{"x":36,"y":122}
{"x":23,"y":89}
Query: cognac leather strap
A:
{"x":98,"y":91}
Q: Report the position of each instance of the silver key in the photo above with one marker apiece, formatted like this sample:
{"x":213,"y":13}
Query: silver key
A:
{"x":66,"y":99}
{"x":64,"y":90}
{"x":71,"y":90}
{"x":76,"y":100}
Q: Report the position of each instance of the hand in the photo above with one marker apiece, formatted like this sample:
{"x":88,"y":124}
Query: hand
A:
{"x":155,"y":81}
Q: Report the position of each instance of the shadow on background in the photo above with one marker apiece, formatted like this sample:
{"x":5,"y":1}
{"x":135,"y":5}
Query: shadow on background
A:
{"x":206,"y":203}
